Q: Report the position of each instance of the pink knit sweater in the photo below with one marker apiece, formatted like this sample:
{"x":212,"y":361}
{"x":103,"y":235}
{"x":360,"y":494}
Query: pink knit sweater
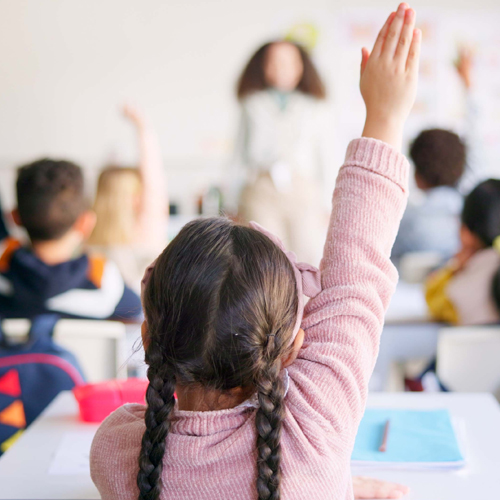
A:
{"x":212,"y":455}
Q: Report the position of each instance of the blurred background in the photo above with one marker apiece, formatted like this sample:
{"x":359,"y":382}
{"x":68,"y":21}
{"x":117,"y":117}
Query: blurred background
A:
{"x":67,"y":66}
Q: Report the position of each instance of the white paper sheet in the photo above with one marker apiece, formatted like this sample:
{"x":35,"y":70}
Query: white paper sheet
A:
{"x":73,"y":454}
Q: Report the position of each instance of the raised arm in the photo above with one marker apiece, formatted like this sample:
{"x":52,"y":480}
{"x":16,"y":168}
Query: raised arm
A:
{"x":475,"y":170}
{"x":153,"y":216}
{"x":343,"y":323}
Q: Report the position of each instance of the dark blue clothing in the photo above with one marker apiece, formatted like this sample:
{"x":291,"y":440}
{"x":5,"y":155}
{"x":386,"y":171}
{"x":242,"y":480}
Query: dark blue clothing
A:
{"x":84,"y":287}
{"x":3,"y":228}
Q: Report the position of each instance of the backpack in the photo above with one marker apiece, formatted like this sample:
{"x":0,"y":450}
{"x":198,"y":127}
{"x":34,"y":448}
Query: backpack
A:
{"x":32,"y":374}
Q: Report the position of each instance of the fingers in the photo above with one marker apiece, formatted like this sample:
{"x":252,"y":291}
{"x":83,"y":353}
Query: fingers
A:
{"x":390,"y":491}
{"x":364,"y":58}
{"x":414,"y":52}
{"x":406,"y":37}
{"x":365,"y":487}
{"x":379,"y":42}
{"x":394,"y":33}
{"x":399,"y":491}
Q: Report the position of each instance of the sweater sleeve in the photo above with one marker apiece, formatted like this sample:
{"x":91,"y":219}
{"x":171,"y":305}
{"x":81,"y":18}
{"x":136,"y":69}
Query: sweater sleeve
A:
{"x":329,"y":379}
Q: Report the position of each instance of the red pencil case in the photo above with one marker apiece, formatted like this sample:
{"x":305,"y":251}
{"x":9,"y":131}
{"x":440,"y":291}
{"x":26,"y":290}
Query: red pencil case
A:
{"x":97,"y":401}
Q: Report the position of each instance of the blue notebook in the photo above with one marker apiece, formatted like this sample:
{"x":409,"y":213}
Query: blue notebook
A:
{"x":416,"y":439}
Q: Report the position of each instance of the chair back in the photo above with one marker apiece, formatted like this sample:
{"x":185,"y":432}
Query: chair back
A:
{"x":99,"y":346}
{"x":468,"y":359}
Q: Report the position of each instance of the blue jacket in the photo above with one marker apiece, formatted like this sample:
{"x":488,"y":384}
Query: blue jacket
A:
{"x":84,"y":287}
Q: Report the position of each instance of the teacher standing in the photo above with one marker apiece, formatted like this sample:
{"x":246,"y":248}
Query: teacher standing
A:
{"x":280,"y":167}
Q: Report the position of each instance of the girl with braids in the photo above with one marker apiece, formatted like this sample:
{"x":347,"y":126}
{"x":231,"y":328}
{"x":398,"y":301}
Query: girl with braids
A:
{"x":269,"y":392}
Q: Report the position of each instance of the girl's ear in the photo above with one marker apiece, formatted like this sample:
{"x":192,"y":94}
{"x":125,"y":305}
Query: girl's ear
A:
{"x":145,"y":335}
{"x":296,"y":347}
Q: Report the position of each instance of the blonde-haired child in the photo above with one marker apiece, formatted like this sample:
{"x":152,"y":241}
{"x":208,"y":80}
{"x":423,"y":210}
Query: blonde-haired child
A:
{"x":132,"y":207}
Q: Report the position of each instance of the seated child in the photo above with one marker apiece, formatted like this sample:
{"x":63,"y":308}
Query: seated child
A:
{"x":432,"y":225}
{"x":467,"y":290}
{"x":52,"y":275}
{"x":131,"y":205}
{"x":269,"y":393}
{"x":439,"y":157}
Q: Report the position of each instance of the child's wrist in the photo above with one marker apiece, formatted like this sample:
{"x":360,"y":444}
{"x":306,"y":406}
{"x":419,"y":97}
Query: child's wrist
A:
{"x":388,"y":129}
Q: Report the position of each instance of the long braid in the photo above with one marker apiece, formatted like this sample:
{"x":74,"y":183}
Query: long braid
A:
{"x":160,"y":399}
{"x":268,"y":421}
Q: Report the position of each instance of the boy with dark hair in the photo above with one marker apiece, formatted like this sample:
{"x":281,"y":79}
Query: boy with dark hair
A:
{"x":439,"y":157}
{"x":53,"y":274}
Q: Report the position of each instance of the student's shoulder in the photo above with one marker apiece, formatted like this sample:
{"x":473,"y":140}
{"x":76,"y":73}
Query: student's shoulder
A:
{"x":122,"y":429}
{"x":98,"y":265}
{"x":115,"y":450}
{"x":103,"y":272}
{"x":130,"y":414}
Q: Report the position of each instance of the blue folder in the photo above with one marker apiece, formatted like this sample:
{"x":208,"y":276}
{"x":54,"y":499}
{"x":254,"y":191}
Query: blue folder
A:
{"x":415,"y":438}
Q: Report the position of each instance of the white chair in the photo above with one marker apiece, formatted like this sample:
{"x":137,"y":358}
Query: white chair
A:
{"x":468,"y":359}
{"x":415,"y":266}
{"x":99,"y":346}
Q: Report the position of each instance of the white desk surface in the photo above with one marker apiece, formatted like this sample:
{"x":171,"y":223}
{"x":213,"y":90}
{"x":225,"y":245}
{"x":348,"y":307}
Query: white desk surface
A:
{"x":24,"y":468}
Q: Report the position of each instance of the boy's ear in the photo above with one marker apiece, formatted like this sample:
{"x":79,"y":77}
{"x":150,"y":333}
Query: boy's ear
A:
{"x":85,"y":223}
{"x":296,"y":347}
{"x":16,"y":217}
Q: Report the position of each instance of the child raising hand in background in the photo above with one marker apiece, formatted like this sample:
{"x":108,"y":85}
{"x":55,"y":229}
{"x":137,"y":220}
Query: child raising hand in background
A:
{"x":131,"y":205}
{"x":270,"y":393}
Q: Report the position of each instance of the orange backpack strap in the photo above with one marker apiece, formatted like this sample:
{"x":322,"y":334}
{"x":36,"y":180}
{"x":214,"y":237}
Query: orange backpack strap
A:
{"x":97,"y":263}
{"x":10,"y":245}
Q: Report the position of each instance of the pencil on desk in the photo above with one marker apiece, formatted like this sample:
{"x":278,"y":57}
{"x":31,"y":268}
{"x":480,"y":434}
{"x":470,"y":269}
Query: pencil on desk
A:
{"x":385,"y":437}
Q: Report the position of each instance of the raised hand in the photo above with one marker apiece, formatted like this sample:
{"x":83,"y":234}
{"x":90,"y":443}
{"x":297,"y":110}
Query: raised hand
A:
{"x":389,"y":77}
{"x":464,"y":64}
{"x":133,"y":114}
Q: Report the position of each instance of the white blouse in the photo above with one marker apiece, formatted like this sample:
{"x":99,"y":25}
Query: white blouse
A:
{"x":294,"y":139}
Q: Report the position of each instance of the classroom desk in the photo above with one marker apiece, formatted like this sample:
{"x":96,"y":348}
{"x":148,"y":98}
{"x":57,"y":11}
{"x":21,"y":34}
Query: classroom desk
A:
{"x":480,"y":478}
{"x":24,"y":468}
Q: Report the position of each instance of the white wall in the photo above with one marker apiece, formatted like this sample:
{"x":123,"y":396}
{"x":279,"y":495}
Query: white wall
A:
{"x":66,"y":65}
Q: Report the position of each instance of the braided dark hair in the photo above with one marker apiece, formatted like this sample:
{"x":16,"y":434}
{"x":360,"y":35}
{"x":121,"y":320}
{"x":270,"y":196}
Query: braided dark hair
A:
{"x":270,"y":393}
{"x":220,"y":307}
{"x":160,"y":399}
